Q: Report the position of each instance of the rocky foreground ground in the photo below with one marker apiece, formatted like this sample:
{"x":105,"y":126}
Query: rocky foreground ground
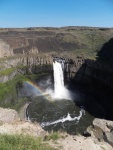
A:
{"x":99,"y":136}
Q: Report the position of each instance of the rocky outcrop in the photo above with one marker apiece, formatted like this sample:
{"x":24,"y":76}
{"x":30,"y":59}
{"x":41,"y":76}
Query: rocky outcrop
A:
{"x":8,"y":116}
{"x":78,"y":142}
{"x":102,"y":130}
{"x":11,"y":124}
{"x":5,"y":49}
{"x":25,"y":60}
{"x":24,"y":64}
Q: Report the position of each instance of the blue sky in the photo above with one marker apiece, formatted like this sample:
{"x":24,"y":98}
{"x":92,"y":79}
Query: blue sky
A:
{"x":56,"y":13}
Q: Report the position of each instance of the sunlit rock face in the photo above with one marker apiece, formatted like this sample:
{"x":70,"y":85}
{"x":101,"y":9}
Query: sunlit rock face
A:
{"x":5,"y":49}
{"x":24,"y":64}
{"x":8,"y":115}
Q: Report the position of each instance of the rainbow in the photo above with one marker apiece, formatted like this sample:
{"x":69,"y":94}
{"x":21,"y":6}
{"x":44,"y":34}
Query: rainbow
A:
{"x":35,"y":87}
{"x":38,"y":89}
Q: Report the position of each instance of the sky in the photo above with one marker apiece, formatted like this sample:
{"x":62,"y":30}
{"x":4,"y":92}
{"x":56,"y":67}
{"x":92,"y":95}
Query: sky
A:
{"x":56,"y":13}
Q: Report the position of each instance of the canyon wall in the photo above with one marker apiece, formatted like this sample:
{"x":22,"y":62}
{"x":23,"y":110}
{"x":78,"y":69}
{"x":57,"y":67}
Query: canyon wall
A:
{"x":88,"y":52}
{"x":33,"y":47}
{"x":24,"y":64}
{"x":70,"y":41}
{"x":79,"y":69}
{"x":5,"y":49}
{"x":88,"y":71}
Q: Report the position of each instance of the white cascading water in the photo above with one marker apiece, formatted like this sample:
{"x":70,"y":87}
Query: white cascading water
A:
{"x":60,"y":92}
{"x":64,"y":119}
{"x":58,"y":79}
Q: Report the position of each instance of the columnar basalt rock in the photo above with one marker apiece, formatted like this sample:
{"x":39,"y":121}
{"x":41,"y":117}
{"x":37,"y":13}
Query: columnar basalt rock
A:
{"x":24,"y":64}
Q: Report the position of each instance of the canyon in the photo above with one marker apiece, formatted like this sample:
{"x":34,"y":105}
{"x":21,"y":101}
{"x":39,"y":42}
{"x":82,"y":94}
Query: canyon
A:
{"x":88,"y":51}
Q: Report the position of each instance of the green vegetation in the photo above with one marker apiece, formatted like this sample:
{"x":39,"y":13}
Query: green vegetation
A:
{"x":8,"y":91}
{"x":88,"y":41}
{"x":8,"y":87}
{"x":7,"y":71}
{"x":20,"y":142}
{"x":21,"y":67}
{"x":52,"y":136}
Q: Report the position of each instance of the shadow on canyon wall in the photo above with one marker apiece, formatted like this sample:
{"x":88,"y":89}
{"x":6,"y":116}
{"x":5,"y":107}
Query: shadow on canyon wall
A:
{"x":106,"y":53}
{"x":96,"y":76}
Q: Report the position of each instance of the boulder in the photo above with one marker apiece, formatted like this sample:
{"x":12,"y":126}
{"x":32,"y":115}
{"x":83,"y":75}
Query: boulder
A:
{"x":95,"y":132}
{"x":103,"y":124}
{"x":8,"y":115}
{"x":109,"y":138}
{"x":102,"y":129}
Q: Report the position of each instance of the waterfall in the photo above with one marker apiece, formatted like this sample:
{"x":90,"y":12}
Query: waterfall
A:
{"x":58,"y":79}
{"x":60,"y":91}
